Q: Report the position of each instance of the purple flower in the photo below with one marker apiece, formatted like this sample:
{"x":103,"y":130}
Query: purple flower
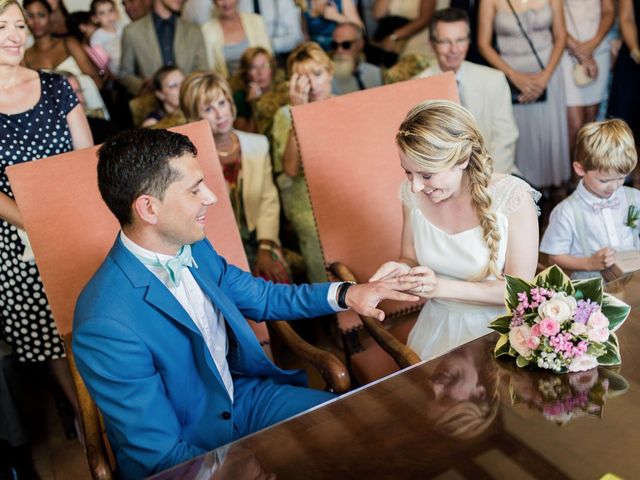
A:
{"x":584,"y":310}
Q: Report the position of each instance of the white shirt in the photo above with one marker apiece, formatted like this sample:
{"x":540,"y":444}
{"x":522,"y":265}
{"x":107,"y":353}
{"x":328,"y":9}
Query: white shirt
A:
{"x":605,"y":227}
{"x":198,"y":306}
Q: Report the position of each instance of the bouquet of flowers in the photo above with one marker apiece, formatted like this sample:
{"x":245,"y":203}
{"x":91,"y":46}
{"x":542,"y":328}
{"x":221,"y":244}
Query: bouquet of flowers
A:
{"x":562,"y":398}
{"x":559,"y":325}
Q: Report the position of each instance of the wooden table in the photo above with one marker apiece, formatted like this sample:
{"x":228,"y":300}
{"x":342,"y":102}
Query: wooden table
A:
{"x":462,"y":415}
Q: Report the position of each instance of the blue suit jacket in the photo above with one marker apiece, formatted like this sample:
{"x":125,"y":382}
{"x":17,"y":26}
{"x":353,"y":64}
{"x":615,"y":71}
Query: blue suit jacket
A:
{"x":148,"y":368}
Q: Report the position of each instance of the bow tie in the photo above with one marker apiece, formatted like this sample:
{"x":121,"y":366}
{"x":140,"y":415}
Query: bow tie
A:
{"x":173,"y":266}
{"x":613,"y":203}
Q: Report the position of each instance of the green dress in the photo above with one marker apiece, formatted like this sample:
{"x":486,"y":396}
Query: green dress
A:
{"x":295,"y":200}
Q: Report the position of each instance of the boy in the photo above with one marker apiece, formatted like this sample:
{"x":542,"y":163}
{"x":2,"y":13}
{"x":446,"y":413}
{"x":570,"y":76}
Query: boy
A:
{"x":601,"y":216}
{"x":109,"y":32}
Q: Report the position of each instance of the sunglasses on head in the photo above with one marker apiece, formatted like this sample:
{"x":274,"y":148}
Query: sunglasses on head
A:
{"x":346,"y":45}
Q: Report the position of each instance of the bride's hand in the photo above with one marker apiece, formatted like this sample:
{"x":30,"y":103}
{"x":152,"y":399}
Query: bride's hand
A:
{"x":390,"y":270}
{"x":426,"y":279}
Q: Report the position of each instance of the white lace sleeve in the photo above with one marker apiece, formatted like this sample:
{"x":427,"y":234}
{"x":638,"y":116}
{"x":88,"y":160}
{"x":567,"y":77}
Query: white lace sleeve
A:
{"x":509,"y":192}
{"x":406,"y":196}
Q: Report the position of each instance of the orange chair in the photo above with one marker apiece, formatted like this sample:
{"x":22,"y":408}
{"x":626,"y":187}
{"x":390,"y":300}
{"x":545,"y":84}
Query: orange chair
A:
{"x":354,"y":193}
{"x":71,"y":230}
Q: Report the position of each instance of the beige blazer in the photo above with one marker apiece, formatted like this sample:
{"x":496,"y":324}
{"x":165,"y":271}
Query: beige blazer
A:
{"x":259,"y":194}
{"x":254,"y":28}
{"x":141,"y":56}
{"x":485,"y":93}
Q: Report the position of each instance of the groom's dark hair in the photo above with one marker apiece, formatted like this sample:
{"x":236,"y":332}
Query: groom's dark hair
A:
{"x":136,"y":162}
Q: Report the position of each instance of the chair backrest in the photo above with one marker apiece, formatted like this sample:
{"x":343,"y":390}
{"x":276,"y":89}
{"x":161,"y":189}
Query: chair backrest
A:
{"x":354,"y":188}
{"x":71,"y":231}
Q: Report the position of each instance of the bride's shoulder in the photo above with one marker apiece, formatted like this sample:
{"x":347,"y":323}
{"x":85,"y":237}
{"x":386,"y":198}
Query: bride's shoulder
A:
{"x":508,"y":192}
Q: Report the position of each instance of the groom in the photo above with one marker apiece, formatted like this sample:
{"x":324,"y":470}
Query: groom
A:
{"x":160,"y":336}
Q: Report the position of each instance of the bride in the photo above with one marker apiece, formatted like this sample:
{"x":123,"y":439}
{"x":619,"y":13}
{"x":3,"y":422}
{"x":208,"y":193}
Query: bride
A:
{"x":464,"y":227}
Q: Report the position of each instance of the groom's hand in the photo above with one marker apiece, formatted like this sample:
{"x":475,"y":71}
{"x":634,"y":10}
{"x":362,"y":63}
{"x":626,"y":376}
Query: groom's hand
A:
{"x":364,"y":298}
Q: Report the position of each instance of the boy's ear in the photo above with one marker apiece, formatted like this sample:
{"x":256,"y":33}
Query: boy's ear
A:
{"x":579,"y":169}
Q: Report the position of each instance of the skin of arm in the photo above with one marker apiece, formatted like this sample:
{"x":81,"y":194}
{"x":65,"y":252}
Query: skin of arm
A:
{"x":628,"y":25}
{"x":349,"y":13}
{"x":427,"y":7}
{"x":83,"y":61}
{"x":79,"y":127}
{"x":602,"y":259}
{"x":9,"y":211}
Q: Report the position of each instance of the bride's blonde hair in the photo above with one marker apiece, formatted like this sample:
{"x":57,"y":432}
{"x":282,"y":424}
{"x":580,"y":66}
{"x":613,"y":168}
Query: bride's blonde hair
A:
{"x":438,"y":135}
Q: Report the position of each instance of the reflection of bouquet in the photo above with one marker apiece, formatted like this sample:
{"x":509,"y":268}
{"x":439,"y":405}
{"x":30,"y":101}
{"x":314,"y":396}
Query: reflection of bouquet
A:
{"x":558,"y":324}
{"x":564,"y":398}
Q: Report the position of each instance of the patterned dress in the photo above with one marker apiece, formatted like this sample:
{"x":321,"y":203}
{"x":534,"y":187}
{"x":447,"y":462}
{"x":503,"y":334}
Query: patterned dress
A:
{"x":39,"y":132}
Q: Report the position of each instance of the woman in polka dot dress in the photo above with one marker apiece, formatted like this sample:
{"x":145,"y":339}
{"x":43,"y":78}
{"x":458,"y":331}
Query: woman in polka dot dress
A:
{"x":39,"y":117}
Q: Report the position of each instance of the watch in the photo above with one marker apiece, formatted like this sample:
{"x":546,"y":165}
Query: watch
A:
{"x":342,"y":293}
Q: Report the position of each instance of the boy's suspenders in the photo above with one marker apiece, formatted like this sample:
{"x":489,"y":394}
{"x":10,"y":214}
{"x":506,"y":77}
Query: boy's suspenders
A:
{"x":581,"y":228}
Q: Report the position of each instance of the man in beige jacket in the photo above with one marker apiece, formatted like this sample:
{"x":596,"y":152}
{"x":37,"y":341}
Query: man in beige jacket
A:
{"x":159,"y":38}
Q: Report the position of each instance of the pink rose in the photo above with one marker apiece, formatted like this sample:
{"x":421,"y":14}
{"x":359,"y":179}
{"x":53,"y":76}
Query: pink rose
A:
{"x":533,"y":342}
{"x":549,"y":327}
{"x":519,"y":338}
{"x":598,"y":334}
{"x":535,"y":330}
{"x":597,"y":320}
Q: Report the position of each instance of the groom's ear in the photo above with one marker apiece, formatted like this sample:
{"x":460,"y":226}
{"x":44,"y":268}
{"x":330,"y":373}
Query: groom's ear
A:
{"x":146,"y":209}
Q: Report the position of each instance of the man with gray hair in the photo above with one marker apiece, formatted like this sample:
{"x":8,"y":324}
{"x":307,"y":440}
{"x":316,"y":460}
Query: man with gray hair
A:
{"x":352,"y":73}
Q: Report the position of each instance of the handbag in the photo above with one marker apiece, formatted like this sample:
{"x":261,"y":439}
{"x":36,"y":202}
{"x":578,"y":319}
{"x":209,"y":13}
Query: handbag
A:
{"x":515,"y":93}
{"x":580,"y":75}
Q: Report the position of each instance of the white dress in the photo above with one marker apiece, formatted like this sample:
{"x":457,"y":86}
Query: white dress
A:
{"x":445,"y":324}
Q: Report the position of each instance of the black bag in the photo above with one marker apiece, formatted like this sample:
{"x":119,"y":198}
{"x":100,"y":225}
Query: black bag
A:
{"x":515,"y":93}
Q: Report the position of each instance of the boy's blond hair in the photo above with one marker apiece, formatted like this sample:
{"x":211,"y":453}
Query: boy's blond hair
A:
{"x":607,"y":146}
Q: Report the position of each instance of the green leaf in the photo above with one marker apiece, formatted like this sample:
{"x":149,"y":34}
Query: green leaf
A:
{"x":612,"y":352}
{"x":554,"y":277}
{"x":501,"y":324}
{"x":513,"y":286}
{"x":521,"y":361}
{"x":502,"y":347}
{"x":590,"y":289}
{"x":615,"y":310}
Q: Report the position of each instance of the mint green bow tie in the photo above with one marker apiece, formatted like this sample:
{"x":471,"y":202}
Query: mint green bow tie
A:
{"x":174,"y":265}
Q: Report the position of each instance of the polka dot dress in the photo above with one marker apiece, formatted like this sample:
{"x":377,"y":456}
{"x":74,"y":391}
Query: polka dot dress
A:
{"x":40,"y":132}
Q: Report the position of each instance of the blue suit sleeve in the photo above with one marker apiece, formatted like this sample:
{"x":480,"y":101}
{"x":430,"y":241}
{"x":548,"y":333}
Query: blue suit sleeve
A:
{"x":120,"y":375}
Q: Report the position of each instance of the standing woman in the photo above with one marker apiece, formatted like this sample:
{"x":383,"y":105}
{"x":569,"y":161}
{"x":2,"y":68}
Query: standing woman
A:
{"x":310,"y":80}
{"x":542,"y":151}
{"x":624,"y":101}
{"x":229,"y":33}
{"x":322,"y":16}
{"x":589,"y":51}
{"x":246,"y":166}
{"x":33,"y":106}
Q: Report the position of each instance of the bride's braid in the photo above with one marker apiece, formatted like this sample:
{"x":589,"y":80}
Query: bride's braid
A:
{"x":438,"y":135}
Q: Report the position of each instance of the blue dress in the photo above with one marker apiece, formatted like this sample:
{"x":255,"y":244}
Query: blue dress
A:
{"x":39,"y":132}
{"x":320,"y":29}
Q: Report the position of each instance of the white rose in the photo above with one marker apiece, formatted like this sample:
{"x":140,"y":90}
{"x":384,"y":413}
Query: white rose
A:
{"x":555,"y":309}
{"x":599,"y":335}
{"x":578,"y":329}
{"x":582,"y":363}
{"x":518,"y":338}
{"x":569,"y":300}
{"x":597,"y":320}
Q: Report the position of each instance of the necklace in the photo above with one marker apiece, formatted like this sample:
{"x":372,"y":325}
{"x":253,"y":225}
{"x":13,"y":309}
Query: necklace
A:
{"x":233,"y":149}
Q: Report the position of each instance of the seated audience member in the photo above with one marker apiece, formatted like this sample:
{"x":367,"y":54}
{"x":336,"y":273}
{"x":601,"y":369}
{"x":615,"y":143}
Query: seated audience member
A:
{"x":229,"y":33}
{"x":464,"y":228}
{"x":54,"y":53}
{"x":166,"y":86}
{"x":257,"y":72}
{"x":108,"y":36}
{"x":310,"y":77}
{"x":179,"y":43}
{"x":160,"y":336}
{"x":322,"y":16}
{"x":246,"y":165}
{"x":483,"y":91}
{"x":101,"y":129}
{"x":352,"y":73}
{"x":587,"y":228}
{"x":136,"y":9}
{"x":81,"y":27}
{"x":58,"y":17}
{"x":404,"y":25}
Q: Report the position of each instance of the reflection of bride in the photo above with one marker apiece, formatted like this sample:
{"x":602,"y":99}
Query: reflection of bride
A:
{"x":464,"y":384}
{"x":464,"y":228}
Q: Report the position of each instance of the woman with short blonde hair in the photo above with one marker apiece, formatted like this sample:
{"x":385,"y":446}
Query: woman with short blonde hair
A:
{"x":464,"y":227}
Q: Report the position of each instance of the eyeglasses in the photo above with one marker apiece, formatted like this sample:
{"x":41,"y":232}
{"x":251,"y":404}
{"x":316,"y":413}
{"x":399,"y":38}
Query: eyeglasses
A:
{"x":458,"y":42}
{"x":346,"y":45}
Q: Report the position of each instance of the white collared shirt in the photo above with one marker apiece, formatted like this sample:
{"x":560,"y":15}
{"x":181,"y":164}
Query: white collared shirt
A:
{"x":198,"y":306}
{"x":606,"y":227}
